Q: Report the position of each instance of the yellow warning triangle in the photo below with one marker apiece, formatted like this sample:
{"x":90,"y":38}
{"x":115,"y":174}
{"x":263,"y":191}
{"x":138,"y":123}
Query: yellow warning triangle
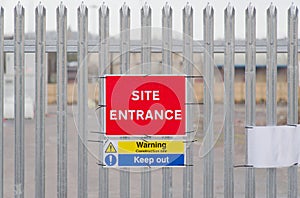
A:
{"x":110,"y":148}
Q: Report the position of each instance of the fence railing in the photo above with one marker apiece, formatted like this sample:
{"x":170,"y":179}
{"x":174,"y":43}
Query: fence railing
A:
{"x":156,"y":46}
{"x":187,"y":46}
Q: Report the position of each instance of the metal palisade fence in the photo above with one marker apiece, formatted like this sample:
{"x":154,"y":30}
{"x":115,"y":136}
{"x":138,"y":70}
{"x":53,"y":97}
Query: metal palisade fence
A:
{"x":187,"y":47}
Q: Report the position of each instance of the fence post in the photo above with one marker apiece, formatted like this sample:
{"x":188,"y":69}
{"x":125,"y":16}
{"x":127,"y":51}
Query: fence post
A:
{"x":146,"y":39}
{"x":250,"y":99}
{"x":167,"y":69}
{"x":188,"y":70}
{"x":62,"y":156}
{"x":82,"y":78}
{"x":40,"y":87}
{"x":125,"y":39}
{"x":208,"y":100}
{"x":229,"y":16}
{"x":104,"y":62}
{"x":271,"y":87}
{"x":1,"y":97}
{"x":125,"y":68}
{"x":167,"y":39}
{"x":146,"y":69}
{"x":293,"y":81}
{"x":19,"y":100}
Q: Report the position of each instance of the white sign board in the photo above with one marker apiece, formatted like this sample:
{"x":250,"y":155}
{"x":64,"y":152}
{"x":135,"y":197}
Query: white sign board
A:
{"x":273,"y":146}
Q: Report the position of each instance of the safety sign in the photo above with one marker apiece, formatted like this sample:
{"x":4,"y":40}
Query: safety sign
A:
{"x":140,"y":153}
{"x":151,"y":160}
{"x":110,"y":160}
{"x":110,"y":148}
{"x":140,"y":146}
{"x":145,"y":105}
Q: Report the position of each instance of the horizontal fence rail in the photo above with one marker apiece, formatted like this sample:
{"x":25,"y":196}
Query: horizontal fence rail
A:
{"x":135,"y":46}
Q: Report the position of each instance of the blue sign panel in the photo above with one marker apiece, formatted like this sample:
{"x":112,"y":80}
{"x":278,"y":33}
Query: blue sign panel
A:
{"x":151,"y":159}
{"x":110,"y":160}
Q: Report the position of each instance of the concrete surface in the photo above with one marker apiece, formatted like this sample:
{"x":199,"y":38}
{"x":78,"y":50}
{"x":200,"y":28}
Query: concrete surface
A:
{"x":114,"y":182}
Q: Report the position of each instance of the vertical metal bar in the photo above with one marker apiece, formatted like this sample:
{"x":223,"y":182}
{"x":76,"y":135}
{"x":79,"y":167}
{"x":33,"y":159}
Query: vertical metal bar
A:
{"x":40,"y":87}
{"x":146,"y":69}
{"x":167,"y":69}
{"x":104,"y":62}
{"x":125,"y":39}
{"x":62,"y":164}
{"x":271,"y":87}
{"x":1,"y":96}
{"x":167,"y":38}
{"x":188,"y":70}
{"x":82,"y":77}
{"x":208,"y":124}
{"x":229,"y":15}
{"x":250,"y":100}
{"x":293,"y":81}
{"x":146,"y":39}
{"x":125,"y":68}
{"x":19,"y":101}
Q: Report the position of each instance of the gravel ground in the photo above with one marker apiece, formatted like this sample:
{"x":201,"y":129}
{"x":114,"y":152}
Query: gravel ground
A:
{"x":114,"y":182}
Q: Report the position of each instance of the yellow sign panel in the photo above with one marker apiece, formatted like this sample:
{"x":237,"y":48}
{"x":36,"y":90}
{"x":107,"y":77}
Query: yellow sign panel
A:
{"x":150,"y":147}
{"x":110,"y":148}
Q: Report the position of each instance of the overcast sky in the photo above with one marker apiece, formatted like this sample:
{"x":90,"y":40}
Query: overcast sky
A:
{"x":156,"y":5}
